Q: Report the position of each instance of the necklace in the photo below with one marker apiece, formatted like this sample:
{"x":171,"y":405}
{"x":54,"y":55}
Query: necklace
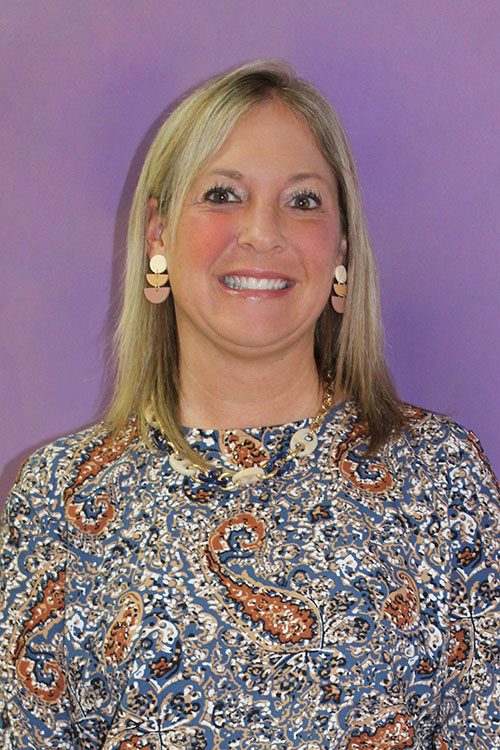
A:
{"x":302,"y":443}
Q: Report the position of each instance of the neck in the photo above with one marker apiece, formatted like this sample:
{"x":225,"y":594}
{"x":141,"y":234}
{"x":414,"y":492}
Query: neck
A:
{"x":223,"y":391}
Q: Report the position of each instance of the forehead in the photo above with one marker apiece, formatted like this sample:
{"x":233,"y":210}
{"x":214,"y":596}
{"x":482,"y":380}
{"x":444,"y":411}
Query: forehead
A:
{"x":271,"y":134}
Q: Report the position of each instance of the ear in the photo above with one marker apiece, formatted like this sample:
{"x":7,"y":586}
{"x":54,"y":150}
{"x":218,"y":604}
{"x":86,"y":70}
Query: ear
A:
{"x":341,"y":257}
{"x":154,"y":230}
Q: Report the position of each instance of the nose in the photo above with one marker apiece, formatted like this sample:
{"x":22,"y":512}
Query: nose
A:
{"x":262,"y":228}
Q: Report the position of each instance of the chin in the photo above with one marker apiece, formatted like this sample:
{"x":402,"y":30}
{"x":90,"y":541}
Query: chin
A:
{"x":255,"y":339}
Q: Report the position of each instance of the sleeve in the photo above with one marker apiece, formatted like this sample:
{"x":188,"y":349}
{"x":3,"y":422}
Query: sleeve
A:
{"x":34,"y":706}
{"x":470,"y":706}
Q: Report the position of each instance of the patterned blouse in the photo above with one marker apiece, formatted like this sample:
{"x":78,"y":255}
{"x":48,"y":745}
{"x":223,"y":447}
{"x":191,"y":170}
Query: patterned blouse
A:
{"x":349,"y":603}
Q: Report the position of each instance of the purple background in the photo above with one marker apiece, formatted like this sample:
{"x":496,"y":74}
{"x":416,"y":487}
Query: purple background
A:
{"x":417,"y":85}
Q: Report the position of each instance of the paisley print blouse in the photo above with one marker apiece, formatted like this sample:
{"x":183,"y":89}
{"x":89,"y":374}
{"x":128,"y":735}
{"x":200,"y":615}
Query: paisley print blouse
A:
{"x":350,"y":603}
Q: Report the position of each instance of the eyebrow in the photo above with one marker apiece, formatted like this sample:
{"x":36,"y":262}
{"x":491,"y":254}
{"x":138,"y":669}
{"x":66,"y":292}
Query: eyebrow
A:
{"x":306,"y":176}
{"x":228,"y":173}
{"x":296,"y":177}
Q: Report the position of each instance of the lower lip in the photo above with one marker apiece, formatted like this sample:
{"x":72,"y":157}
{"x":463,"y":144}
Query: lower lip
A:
{"x":257,"y":293}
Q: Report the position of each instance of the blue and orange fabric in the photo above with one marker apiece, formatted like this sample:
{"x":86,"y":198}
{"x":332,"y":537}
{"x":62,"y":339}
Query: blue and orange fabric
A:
{"x":350,"y":602}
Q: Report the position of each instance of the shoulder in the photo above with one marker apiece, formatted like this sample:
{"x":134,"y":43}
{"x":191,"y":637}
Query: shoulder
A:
{"x":433,"y":454}
{"x":426,"y":428}
{"x":424,"y":431}
{"x":61,"y":462}
{"x":446,"y":447}
{"x":57,"y":483}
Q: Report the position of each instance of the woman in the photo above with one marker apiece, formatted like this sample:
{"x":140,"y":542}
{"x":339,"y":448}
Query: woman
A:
{"x":261,"y":547}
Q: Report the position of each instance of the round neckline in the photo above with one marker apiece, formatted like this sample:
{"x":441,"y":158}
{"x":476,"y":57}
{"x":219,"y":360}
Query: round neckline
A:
{"x":216,"y":445}
{"x":214,"y":432}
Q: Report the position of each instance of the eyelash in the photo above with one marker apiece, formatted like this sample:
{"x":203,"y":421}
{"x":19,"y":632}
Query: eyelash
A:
{"x":307,"y":194}
{"x":220,"y":189}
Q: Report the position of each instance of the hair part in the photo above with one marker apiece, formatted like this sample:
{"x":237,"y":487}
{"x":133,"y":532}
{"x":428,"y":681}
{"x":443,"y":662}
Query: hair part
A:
{"x":348,"y":348}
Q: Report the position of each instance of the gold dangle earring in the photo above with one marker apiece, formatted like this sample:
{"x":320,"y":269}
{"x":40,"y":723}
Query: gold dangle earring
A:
{"x":339,"y":290}
{"x":157,"y":292}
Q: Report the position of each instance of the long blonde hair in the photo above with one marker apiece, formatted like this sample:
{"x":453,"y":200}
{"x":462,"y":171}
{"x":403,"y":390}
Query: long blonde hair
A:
{"x":348,"y":346}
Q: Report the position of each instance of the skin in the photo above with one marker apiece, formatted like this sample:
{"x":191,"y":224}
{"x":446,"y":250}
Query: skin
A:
{"x":265,"y":206}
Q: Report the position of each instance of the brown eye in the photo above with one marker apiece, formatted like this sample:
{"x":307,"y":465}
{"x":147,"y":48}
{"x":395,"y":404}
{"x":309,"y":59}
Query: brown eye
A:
{"x":305,"y":201}
{"x":220,"y":194}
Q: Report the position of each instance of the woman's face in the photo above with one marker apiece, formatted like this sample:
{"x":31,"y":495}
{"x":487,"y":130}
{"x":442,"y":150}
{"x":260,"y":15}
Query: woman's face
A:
{"x":258,"y":239}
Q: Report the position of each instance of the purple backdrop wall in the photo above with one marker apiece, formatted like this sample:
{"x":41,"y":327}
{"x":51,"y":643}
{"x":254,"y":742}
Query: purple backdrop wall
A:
{"x":417,"y":86}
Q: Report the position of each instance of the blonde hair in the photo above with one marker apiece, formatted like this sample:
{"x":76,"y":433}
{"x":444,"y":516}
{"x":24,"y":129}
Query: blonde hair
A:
{"x":349,"y":347}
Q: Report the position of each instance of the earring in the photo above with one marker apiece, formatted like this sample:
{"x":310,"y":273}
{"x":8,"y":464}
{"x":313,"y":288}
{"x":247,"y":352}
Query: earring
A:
{"x":154,"y":293}
{"x":340,"y":290}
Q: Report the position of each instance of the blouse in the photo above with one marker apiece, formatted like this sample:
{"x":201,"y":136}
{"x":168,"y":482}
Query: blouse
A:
{"x":350,"y":602}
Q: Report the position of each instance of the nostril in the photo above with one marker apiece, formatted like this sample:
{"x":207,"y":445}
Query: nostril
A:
{"x":261,"y":229}
{"x":260,"y":240}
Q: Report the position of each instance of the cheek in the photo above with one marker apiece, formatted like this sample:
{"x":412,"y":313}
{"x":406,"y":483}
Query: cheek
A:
{"x":201,"y":240}
{"x":317,"y":247}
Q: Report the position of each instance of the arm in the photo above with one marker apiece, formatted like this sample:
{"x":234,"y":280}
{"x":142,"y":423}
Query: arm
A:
{"x":470,"y":709}
{"x":34,"y":709}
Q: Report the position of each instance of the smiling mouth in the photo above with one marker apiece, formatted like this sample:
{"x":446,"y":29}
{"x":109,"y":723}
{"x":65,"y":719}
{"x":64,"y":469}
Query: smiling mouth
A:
{"x":250,"y":282}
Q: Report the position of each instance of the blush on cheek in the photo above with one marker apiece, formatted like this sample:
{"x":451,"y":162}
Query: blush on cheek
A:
{"x":319,"y":247}
{"x":210,"y":235}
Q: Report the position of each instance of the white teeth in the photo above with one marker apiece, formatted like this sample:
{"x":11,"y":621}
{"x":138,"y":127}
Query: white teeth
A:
{"x":250,"y":282}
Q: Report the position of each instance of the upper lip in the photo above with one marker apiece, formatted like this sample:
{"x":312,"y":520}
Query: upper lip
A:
{"x":258,"y":274}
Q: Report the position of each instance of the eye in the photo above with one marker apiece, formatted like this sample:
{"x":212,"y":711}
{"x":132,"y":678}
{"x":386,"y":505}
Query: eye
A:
{"x":221,"y":194}
{"x":305,"y":200}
